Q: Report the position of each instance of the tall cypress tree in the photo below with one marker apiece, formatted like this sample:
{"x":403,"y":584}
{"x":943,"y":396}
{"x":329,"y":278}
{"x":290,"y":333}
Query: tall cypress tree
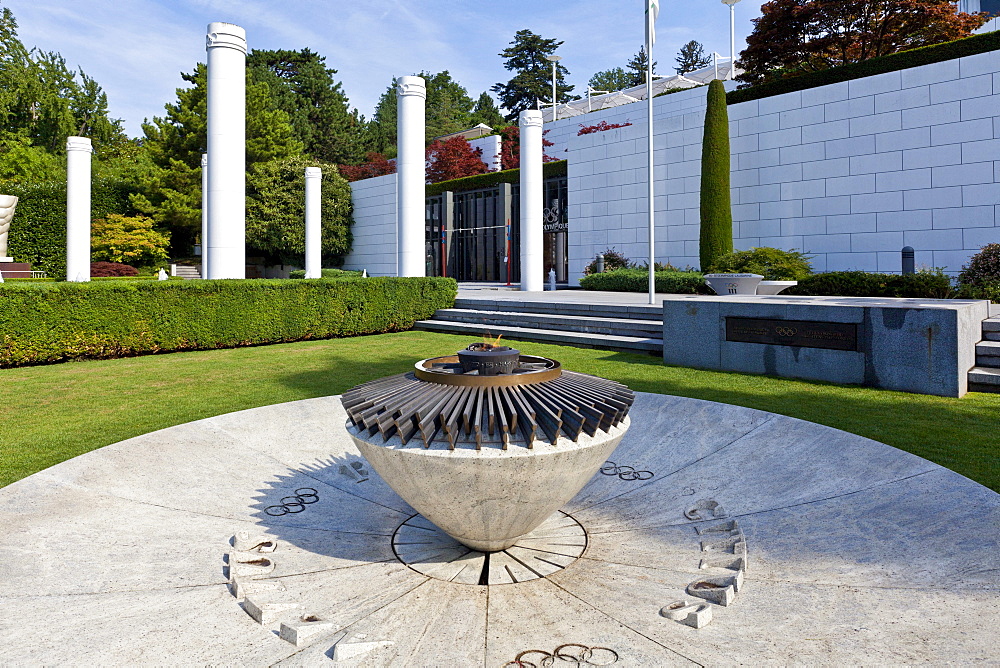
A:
{"x":716,"y":209}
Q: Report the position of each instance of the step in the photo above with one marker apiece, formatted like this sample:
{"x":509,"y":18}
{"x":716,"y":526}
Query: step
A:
{"x":991,"y":325}
{"x":572,"y":323}
{"x":579,"y":339}
{"x":983,"y":379}
{"x":630,"y":311}
{"x":988,"y":349}
{"x":991,"y":336}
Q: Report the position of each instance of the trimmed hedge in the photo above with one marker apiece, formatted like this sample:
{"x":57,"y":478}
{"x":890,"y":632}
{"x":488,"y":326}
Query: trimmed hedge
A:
{"x":922,"y":285}
{"x":38,"y":231}
{"x":491,"y":179}
{"x":637,"y":280}
{"x":54,"y":322}
{"x":925,"y":55}
{"x":327,"y":273}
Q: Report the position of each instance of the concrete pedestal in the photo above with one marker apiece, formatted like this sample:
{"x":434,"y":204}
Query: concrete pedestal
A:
{"x":913,"y":345}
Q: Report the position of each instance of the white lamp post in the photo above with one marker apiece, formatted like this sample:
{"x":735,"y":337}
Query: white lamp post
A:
{"x":732,"y":34}
{"x":555,"y":62}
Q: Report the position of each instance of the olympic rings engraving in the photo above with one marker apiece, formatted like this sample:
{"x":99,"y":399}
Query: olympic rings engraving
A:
{"x":293,"y":504}
{"x":581,"y":656}
{"x":785,"y":331}
{"x":625,"y":472}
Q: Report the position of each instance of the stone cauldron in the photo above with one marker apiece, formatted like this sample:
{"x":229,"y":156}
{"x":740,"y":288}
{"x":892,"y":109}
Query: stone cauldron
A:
{"x":487,"y":458}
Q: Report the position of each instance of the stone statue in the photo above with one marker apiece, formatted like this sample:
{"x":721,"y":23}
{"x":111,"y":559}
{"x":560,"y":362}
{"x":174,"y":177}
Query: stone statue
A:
{"x":7,"y":204}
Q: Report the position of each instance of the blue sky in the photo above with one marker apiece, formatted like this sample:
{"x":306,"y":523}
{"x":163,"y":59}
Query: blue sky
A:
{"x":136,"y":49}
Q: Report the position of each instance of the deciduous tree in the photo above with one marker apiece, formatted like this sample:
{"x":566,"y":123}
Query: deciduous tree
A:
{"x":452,"y":159}
{"x":792,"y":37}
{"x":611,"y":80}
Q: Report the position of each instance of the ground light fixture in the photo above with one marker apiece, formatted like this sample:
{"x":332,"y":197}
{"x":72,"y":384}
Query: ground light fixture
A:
{"x":732,"y":34}
{"x":555,"y":61}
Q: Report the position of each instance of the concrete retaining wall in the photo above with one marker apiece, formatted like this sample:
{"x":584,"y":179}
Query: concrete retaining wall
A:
{"x":923,"y":346}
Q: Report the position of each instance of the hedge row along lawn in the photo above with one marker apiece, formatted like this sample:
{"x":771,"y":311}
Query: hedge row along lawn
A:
{"x":51,"y":413}
{"x":54,"y":322}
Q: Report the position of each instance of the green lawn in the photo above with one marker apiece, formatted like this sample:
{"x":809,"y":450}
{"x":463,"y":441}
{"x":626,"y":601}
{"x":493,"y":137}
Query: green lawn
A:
{"x":51,"y":413}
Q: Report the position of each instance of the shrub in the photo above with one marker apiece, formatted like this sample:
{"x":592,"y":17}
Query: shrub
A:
{"x":922,"y":285}
{"x":101,"y":269}
{"x":612,"y":260}
{"x":326,"y":273}
{"x":773,"y":264}
{"x":716,"y":238}
{"x":637,"y":280}
{"x":983,"y":269}
{"x":52,"y":322}
{"x":377,"y":165}
{"x":38,"y":231}
{"x":275,"y":211}
{"x":128,"y":240}
{"x":603,"y":126}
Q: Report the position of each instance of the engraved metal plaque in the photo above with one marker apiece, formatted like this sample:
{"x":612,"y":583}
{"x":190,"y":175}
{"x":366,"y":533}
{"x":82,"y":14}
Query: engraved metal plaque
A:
{"x":803,"y":333}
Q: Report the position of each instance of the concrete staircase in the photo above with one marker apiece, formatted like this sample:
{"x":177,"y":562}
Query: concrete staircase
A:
{"x":985,"y":376}
{"x":630,"y":328}
{"x":188,"y":271}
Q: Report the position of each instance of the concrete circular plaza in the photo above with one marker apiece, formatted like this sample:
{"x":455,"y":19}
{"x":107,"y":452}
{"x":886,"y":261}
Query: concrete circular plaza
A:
{"x":855,"y":552}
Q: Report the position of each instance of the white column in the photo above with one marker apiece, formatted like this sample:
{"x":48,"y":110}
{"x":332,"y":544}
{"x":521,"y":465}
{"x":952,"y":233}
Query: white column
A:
{"x":204,"y":215}
{"x":314,"y":182}
{"x":78,"y":151}
{"x":411,"y":94}
{"x":532,"y":270}
{"x":227,"y":49}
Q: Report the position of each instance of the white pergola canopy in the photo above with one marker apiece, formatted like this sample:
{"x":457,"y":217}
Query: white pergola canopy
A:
{"x":719,"y":69}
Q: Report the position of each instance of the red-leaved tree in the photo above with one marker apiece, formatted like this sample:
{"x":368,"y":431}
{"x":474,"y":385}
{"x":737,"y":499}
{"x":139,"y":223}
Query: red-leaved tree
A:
{"x":453,"y":159}
{"x":510,"y":147}
{"x":792,"y":37}
{"x":377,"y":165}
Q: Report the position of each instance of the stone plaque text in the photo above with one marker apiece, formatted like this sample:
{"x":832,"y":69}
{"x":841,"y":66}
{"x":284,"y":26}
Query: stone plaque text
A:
{"x":804,"y":333}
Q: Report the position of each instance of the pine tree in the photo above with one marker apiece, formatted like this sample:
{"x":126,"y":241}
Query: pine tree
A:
{"x":716,"y":237}
{"x":532,"y":80}
{"x":691,"y":57}
{"x":303,"y":87}
{"x":636,"y":68}
{"x":448,"y":109}
{"x":611,"y":80}
{"x":170,"y":193}
{"x":486,"y":112}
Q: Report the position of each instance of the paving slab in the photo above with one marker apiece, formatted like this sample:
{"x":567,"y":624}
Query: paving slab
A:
{"x":829,"y":548}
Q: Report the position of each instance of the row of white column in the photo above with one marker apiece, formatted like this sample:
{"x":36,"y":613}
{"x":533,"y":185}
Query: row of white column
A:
{"x":223,"y":181}
{"x":411,"y":93}
{"x":224,"y":178}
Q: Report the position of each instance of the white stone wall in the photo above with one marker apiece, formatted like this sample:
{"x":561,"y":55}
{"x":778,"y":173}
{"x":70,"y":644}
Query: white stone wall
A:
{"x":374,"y":227}
{"x":490,"y":145}
{"x":850,"y":172}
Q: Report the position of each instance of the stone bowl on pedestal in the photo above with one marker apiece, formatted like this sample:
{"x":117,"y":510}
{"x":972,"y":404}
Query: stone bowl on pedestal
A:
{"x":487,"y":459}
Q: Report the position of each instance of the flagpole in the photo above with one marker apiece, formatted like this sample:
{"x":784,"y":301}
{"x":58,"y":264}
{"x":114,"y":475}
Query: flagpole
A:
{"x":651,"y":7}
